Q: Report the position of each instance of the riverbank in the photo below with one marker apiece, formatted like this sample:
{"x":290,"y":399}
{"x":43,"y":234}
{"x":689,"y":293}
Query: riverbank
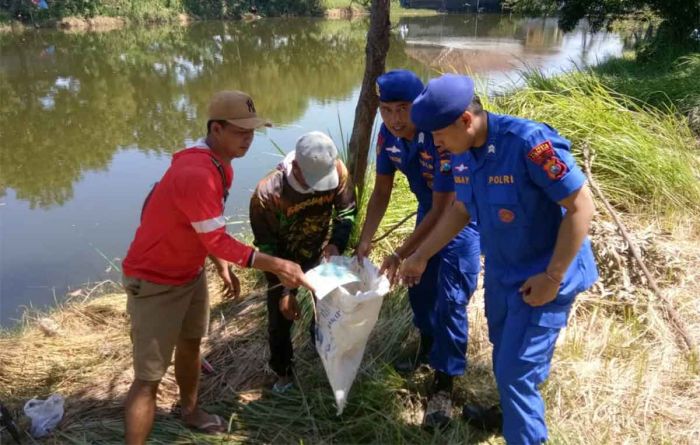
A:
{"x":619,"y":373}
{"x":336,"y":9}
{"x":106,"y":16}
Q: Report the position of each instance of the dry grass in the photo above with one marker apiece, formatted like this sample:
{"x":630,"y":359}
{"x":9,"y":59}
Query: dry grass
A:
{"x":618,"y":375}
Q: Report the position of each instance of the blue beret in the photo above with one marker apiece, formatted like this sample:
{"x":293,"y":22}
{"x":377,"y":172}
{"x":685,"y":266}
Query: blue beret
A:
{"x":442,"y":102}
{"x":399,"y":85}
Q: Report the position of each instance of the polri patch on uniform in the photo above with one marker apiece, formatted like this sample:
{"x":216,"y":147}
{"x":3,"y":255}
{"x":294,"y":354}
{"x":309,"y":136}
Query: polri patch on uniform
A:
{"x":541,"y":153}
{"x":506,"y":215}
{"x":555,"y":168}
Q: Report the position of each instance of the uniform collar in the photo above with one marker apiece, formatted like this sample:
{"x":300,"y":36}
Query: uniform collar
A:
{"x":412,"y":145}
{"x":494,"y":124}
{"x":419,"y":137}
{"x":489,"y":151}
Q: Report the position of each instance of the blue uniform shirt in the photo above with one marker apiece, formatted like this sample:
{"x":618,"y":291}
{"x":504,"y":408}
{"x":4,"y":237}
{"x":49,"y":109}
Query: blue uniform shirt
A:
{"x":426,"y":169}
{"x":511,"y":186}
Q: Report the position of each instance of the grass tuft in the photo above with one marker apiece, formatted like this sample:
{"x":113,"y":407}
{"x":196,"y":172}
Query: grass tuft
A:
{"x":644,"y":158}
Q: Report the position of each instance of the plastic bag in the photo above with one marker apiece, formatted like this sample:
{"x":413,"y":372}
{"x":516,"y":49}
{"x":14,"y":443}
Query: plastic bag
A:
{"x":45,"y":414}
{"x":349,"y":297}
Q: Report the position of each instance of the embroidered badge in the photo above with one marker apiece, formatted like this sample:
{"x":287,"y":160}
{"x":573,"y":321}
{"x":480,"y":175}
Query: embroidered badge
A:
{"x":393,"y":149}
{"x":505,"y":215}
{"x":555,"y":168}
{"x":541,"y":153}
{"x":461,"y":167}
{"x":421,"y":138}
{"x":491,"y":149}
{"x":445,"y":166}
{"x":425,"y":155}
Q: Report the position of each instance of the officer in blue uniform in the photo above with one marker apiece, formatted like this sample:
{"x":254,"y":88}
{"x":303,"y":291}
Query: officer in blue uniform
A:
{"x":518,"y":179}
{"x":439,"y":302}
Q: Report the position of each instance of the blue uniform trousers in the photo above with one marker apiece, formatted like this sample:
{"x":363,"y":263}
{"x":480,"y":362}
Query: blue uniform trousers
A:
{"x":523,"y":339}
{"x":439,"y":301}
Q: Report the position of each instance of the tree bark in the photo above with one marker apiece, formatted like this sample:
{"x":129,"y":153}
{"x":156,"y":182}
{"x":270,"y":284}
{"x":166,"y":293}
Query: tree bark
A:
{"x":366,"y":110}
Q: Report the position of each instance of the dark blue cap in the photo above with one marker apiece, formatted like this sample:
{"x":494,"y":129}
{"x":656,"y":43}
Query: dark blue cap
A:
{"x":442,"y":102}
{"x":399,"y":86}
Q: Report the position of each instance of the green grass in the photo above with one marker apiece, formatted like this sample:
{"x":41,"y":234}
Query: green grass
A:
{"x":644,"y":158}
{"x":670,"y":83}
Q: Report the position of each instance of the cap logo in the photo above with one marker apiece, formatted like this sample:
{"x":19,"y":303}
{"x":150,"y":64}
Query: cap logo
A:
{"x":251,"y":106}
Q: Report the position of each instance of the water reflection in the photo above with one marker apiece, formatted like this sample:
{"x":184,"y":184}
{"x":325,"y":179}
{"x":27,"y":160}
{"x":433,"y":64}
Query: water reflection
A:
{"x":68,"y":102}
{"x":491,"y":46}
{"x":87,"y":121}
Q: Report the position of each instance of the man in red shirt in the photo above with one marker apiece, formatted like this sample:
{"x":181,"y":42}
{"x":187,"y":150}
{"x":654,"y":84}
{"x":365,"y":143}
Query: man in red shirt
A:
{"x":181,"y":223}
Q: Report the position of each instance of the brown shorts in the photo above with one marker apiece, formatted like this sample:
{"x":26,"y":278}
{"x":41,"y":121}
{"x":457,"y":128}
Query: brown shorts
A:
{"x":162,"y":314}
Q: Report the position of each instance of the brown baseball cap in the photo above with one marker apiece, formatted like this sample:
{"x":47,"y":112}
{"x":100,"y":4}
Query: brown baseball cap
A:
{"x":237,"y":108}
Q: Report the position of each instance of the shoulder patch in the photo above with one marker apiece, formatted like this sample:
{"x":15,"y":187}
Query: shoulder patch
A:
{"x":380,"y":142}
{"x":541,"y":153}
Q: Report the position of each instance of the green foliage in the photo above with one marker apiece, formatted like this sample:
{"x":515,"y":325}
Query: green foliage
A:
{"x":236,"y":8}
{"x":532,"y":8}
{"x":681,"y":16}
{"x":137,"y":10}
{"x":157,"y":10}
{"x":329,"y":4}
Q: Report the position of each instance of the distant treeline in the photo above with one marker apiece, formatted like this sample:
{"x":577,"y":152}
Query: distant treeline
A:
{"x":154,"y":10}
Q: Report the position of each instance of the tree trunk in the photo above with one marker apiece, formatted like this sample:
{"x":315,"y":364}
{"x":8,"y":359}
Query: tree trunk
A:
{"x":366,"y":110}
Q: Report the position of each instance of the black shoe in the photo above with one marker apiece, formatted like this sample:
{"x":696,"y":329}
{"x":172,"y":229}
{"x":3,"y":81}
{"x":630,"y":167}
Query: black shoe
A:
{"x":486,"y":419}
{"x":7,"y":423}
{"x":438,"y":414}
{"x":410,"y":364}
